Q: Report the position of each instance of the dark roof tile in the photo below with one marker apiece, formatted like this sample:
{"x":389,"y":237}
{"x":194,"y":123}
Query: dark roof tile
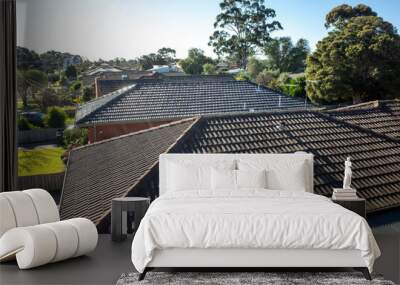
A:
{"x":99,"y":172}
{"x":185,"y":96}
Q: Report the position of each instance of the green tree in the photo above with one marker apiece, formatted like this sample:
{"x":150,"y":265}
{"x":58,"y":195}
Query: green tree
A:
{"x":87,"y":93}
{"x":63,"y":80}
{"x":76,"y":86}
{"x":285,"y":56}
{"x":47,"y":98}
{"x":167,"y":54}
{"x":56,"y":118}
{"x":209,"y":69}
{"x":339,"y":16}
{"x":254,"y":67}
{"x":27,"y":59}
{"x":193,"y":64}
{"x":241,"y":27}
{"x":29,"y":82}
{"x":163,"y":56}
{"x":358,"y":61}
{"x":71,"y":73}
{"x":295,"y":87}
{"x":267,"y":78}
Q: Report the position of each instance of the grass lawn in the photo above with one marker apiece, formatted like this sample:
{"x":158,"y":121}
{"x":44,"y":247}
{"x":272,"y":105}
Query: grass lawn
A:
{"x":69,"y":121}
{"x":41,"y":160}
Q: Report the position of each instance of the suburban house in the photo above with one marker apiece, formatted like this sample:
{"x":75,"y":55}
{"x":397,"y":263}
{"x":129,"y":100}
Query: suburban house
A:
{"x":107,"y":72}
{"x":127,"y":165}
{"x":150,"y":102}
{"x":165,"y":68}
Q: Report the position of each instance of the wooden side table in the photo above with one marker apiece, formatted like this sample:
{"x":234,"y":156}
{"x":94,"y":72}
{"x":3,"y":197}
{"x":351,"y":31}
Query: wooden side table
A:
{"x":119,"y":211}
{"x":357,"y":205}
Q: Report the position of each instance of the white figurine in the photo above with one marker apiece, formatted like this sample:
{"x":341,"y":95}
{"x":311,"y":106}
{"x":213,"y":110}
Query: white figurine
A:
{"x":347,"y":174}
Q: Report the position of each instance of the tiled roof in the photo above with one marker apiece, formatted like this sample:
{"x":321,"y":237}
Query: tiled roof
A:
{"x":187,"y":96}
{"x":127,"y":164}
{"x":99,"y":172}
{"x":380,"y":116}
{"x":107,"y":86}
{"x":376,"y":160}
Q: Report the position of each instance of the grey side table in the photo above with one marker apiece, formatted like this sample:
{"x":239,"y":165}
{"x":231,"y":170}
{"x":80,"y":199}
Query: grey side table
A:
{"x":119,"y":210}
{"x":357,"y":205}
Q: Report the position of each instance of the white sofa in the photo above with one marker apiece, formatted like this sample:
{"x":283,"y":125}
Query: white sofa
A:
{"x":31,"y":230}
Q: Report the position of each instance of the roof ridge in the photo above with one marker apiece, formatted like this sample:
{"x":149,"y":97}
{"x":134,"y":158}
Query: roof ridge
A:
{"x":375,"y":104}
{"x":136,"y":133}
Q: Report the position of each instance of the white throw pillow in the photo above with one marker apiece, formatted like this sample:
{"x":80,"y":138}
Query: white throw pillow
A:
{"x":290,"y":174}
{"x":223,"y":179}
{"x":183,"y":178}
{"x":184,"y":174}
{"x":251,"y":179}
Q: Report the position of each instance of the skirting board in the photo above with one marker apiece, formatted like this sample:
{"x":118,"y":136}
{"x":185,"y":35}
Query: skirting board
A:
{"x":228,"y":257}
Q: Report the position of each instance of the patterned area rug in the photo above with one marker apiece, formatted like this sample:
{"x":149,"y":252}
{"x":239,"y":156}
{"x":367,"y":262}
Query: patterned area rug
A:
{"x":244,"y":278}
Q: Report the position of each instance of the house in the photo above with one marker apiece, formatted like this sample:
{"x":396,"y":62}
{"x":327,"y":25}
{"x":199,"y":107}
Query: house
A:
{"x":111,"y":73}
{"x":150,"y":102}
{"x":165,"y":68}
{"x":71,"y":60}
{"x":127,"y":165}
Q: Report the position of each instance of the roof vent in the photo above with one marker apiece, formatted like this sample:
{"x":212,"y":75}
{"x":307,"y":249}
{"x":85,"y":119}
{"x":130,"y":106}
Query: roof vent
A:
{"x":244,"y":106}
{"x":258,"y":88}
{"x":280,"y":126}
{"x":279,"y":102}
{"x":251,"y":110}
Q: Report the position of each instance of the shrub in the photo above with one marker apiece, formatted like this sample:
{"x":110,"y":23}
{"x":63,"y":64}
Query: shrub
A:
{"x":76,"y":86}
{"x":56,"y":118}
{"x":254,"y":67}
{"x":87,"y":93}
{"x":209,"y":69}
{"x":23,"y":124}
{"x":242,"y":76}
{"x":267,"y":78}
{"x":298,"y":88}
{"x":75,"y":136}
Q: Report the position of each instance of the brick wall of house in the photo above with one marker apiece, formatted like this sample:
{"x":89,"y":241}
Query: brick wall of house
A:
{"x":102,"y":132}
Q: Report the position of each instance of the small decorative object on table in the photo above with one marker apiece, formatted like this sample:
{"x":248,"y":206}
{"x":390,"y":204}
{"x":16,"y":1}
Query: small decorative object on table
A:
{"x":347,"y":196}
{"x":347,"y":193}
{"x":119,"y":209}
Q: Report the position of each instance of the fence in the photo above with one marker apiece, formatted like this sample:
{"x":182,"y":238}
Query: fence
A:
{"x":38,"y":135}
{"x":50,"y":182}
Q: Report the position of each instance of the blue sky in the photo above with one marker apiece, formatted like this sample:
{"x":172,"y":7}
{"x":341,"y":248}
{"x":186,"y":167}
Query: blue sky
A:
{"x":129,"y":28}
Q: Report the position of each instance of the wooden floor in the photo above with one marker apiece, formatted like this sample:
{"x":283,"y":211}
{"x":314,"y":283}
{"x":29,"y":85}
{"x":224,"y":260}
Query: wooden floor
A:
{"x":103,"y":266}
{"x":106,"y":264}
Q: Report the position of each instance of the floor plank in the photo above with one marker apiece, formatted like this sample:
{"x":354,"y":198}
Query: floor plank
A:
{"x":103,"y":266}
